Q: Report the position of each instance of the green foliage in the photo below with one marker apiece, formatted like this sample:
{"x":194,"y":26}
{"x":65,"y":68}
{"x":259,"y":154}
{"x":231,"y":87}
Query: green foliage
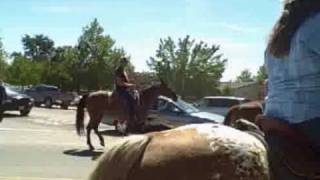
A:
{"x":98,"y":57}
{"x":89,"y":65}
{"x":38,"y":47}
{"x":226,"y":91}
{"x":245,"y":76}
{"x":63,"y":68}
{"x":191,"y":68}
{"x":22,"y":71}
{"x":3,"y":63}
{"x":262,"y":74}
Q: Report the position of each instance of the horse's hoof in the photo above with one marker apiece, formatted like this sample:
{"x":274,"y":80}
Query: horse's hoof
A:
{"x":102,"y":144}
{"x":91,"y":148}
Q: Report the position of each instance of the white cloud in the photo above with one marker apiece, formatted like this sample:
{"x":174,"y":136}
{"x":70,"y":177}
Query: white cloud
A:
{"x":238,"y":28}
{"x":140,"y":52}
{"x":67,"y":8}
{"x":240,"y":55}
{"x":58,"y":9}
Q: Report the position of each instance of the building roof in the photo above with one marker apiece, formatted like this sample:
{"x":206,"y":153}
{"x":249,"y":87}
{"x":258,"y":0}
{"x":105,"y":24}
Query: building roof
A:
{"x":235,"y":85}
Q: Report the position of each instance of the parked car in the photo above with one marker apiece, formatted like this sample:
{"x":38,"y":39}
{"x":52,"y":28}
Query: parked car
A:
{"x":171,"y":114}
{"x":50,"y":95}
{"x":17,"y":102}
{"x":219,"y":104}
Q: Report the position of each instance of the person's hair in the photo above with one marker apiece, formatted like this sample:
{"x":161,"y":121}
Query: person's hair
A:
{"x":294,"y":14}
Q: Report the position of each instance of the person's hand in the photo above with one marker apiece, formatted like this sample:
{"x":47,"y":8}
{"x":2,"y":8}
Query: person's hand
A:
{"x":133,"y":86}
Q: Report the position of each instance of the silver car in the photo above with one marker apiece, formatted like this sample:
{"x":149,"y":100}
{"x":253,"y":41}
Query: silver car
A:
{"x":169,"y":113}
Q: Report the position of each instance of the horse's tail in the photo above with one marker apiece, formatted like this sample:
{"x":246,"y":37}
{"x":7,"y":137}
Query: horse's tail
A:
{"x":80,"y":115}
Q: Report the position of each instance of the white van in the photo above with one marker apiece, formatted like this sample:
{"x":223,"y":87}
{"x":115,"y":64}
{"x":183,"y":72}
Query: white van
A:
{"x":219,"y":104}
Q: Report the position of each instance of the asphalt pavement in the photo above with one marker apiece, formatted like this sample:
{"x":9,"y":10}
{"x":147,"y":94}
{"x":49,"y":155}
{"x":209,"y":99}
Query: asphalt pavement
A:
{"x":45,"y":146}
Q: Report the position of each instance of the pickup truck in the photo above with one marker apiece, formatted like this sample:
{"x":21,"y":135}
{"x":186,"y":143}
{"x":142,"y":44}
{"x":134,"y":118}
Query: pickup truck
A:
{"x":50,"y":95}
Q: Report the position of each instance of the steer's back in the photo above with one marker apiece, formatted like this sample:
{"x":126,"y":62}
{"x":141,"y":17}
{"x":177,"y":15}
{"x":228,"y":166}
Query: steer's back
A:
{"x":196,"y":152}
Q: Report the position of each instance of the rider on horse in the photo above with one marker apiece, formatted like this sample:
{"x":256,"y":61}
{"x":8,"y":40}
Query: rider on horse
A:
{"x":124,"y":88}
{"x":292,"y":114}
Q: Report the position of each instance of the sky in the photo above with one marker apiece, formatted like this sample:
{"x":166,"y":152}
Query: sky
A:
{"x":240,"y":27}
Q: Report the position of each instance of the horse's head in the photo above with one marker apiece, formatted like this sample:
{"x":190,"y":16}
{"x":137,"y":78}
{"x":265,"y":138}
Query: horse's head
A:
{"x":165,"y":90}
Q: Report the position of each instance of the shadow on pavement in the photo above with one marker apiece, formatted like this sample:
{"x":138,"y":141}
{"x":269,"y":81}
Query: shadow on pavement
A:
{"x":111,"y":133}
{"x":83,"y":153}
{"x":147,"y":129}
{"x":155,"y":128}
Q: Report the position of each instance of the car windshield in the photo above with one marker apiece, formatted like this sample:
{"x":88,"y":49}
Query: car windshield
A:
{"x":10,"y":91}
{"x":222,"y":102}
{"x":186,"y":106}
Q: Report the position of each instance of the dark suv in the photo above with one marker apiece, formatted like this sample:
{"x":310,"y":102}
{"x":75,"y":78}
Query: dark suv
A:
{"x":50,"y":95}
{"x":16,"y":101}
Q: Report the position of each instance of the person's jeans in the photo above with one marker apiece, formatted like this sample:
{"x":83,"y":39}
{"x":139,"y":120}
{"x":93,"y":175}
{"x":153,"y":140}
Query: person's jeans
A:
{"x":311,"y":129}
{"x":130,"y":101}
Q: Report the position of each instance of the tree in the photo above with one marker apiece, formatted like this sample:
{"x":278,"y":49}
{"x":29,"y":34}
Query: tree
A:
{"x":38,"y":47}
{"x":193,"y":69}
{"x":245,"y":76}
{"x":144,"y":79}
{"x":62,"y":67}
{"x":3,"y":63}
{"x":262,"y":74}
{"x":22,"y":71}
{"x":226,"y":91}
{"x":97,"y":57}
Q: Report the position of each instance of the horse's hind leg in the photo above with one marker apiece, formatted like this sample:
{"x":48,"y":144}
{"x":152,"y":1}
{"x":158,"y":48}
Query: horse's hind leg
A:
{"x":99,"y":135}
{"x":88,"y":137}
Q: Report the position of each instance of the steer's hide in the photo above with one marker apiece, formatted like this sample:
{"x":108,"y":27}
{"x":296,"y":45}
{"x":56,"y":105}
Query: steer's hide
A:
{"x":192,"y":152}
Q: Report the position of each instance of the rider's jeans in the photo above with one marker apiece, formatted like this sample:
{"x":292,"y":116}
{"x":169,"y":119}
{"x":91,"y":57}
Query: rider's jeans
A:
{"x":130,"y":101}
{"x":311,"y":129}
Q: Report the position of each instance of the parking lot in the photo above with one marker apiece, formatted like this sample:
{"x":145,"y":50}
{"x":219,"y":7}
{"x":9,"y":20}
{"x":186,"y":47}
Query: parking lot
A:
{"x":44,"y":145}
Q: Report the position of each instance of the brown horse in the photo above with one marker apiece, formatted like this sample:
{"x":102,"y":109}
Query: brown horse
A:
{"x":192,"y":152}
{"x":102,"y":102}
{"x":247,"y":111}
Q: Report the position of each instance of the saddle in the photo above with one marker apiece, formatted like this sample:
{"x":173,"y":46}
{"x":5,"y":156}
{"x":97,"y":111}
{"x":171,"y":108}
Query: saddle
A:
{"x":116,"y":97}
{"x":298,"y":155}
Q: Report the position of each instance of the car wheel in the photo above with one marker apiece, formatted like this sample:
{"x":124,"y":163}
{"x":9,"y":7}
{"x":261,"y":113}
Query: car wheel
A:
{"x":25,"y":112}
{"x":37,"y":104}
{"x":48,"y":103}
{"x":65,"y":105}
